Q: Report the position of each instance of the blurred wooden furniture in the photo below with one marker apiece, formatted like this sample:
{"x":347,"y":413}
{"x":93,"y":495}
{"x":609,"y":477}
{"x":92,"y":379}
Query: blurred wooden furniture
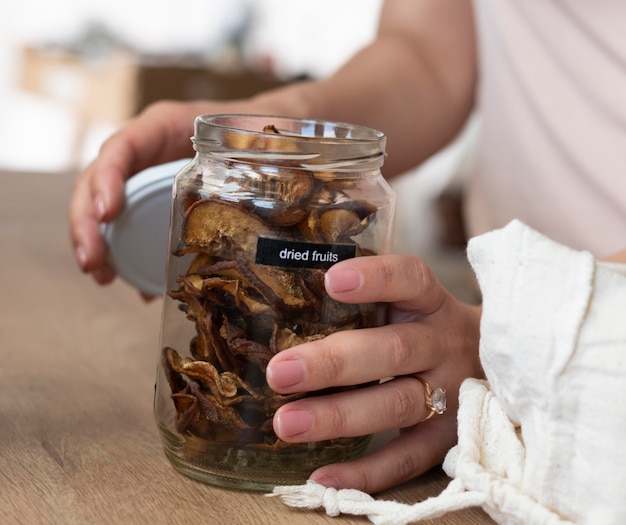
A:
{"x":78,"y":444}
{"x":112,"y":88}
{"x":120,"y":84}
{"x":102,"y":89}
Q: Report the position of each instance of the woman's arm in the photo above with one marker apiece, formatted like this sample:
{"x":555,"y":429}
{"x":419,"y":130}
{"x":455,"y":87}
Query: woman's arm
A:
{"x":414,"y":82}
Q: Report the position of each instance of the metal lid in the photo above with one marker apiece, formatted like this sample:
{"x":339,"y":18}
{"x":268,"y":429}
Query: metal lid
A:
{"x":138,"y":238}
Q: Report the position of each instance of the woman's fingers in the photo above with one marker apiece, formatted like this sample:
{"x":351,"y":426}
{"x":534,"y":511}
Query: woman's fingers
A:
{"x":398,"y":403}
{"x":432,"y":334}
{"x":358,"y":356}
{"x":404,"y":280}
{"x":354,"y":357}
{"x":90,"y":249}
{"x":159,"y":134}
{"x":412,"y":453}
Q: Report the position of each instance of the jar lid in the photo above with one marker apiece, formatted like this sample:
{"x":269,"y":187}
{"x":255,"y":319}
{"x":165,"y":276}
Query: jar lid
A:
{"x":138,"y":238}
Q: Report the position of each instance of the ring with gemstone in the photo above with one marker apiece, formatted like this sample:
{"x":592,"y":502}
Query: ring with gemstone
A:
{"x":435,"y":399}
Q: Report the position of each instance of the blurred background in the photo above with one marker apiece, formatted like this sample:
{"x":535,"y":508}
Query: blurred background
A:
{"x":71,"y":72}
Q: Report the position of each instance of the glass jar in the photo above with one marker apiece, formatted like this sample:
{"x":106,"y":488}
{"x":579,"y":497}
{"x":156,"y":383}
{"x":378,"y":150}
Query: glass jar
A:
{"x":265,"y":207}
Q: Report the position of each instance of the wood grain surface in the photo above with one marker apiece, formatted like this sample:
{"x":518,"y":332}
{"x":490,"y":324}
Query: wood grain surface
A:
{"x":78,"y":442}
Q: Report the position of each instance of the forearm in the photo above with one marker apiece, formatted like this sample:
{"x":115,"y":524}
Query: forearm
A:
{"x":415,"y":82}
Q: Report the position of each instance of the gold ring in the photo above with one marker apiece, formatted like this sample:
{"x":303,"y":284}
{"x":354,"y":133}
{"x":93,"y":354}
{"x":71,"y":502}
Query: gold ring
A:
{"x":435,"y":399}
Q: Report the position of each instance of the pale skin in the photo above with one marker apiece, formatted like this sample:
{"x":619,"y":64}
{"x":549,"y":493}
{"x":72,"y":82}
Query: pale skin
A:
{"x":415,"y":83}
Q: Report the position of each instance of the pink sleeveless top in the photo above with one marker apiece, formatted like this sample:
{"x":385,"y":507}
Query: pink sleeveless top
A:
{"x":552,"y":100}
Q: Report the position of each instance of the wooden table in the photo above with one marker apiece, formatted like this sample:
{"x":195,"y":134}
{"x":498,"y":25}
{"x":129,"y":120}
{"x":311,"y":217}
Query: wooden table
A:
{"x":78,"y":443}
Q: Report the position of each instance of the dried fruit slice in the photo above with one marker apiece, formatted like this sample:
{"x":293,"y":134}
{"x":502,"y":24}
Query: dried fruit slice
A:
{"x":282,"y":198}
{"x":215,"y":226}
{"x":269,"y":140}
{"x":335,"y":222}
{"x":280,"y":287}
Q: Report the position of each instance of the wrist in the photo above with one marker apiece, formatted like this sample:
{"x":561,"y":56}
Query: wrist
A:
{"x":293,"y":100}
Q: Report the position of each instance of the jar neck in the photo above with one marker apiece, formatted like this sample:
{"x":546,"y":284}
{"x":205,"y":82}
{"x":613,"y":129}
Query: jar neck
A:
{"x":296,"y":143}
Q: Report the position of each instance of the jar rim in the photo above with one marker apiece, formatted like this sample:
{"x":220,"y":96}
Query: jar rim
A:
{"x":308,"y":143}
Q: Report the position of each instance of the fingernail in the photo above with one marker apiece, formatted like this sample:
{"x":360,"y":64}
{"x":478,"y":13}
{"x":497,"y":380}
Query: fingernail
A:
{"x":98,"y":203}
{"x":81,"y":257}
{"x":285,"y":373}
{"x":293,"y":423}
{"x":342,"y":280}
{"x":329,"y":483}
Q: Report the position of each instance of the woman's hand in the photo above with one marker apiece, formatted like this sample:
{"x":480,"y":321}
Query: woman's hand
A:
{"x":430,"y":334}
{"x":160,"y":134}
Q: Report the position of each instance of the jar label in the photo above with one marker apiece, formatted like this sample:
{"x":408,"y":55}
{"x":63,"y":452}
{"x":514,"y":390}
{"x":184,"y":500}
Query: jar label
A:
{"x":291,"y":254}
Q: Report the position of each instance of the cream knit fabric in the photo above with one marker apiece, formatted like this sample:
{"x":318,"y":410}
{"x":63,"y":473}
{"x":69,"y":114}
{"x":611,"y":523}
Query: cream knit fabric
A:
{"x":541,"y":441}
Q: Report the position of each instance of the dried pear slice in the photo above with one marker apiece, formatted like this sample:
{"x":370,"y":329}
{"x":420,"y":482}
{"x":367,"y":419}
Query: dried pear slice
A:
{"x":284,"y":337}
{"x":240,"y":296}
{"x":279,"y":287}
{"x":208,"y":344}
{"x":190,"y":418}
{"x":221,"y":385}
{"x":199,"y":261}
{"x":269,"y":140}
{"x":246,"y":294}
{"x":283,"y":198}
{"x":335,"y":222}
{"x":212,"y":225}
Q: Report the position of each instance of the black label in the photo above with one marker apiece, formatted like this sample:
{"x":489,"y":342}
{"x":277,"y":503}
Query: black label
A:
{"x":290,"y":254}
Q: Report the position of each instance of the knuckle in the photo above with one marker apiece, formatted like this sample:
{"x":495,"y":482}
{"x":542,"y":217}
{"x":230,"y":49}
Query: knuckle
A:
{"x":402,"y":407}
{"x":415,"y":269}
{"x":363,"y":479}
{"x":387,"y":273}
{"x":399,"y":353}
{"x":408,"y":466}
{"x":332,"y":364}
{"x":427,"y":284}
{"x":422,"y":274}
{"x":336,"y":420}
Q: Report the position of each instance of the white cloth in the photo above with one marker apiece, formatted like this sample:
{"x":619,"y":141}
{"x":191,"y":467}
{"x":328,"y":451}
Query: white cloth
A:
{"x":541,"y":441}
{"x":553,"y":120}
